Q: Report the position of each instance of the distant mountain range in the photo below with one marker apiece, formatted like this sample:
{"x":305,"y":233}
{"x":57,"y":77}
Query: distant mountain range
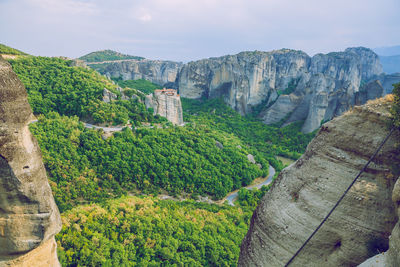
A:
{"x":387,"y":50}
{"x":390,"y":58}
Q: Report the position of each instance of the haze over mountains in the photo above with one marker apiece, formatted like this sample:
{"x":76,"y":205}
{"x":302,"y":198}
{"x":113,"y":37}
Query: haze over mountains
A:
{"x":390,"y":58}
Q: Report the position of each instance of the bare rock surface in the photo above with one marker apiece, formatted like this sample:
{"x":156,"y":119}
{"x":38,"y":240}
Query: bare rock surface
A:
{"x":29,"y":216}
{"x":289,"y":84}
{"x":166,"y":103}
{"x":157,"y":71}
{"x":305,"y":191}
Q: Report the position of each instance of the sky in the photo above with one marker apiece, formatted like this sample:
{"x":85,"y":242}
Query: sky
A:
{"x":185,"y":30}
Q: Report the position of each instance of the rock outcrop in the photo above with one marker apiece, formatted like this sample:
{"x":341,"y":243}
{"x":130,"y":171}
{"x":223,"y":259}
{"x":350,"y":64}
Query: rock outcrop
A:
{"x":166,"y":103}
{"x":157,"y":71}
{"x":305,"y":191}
{"x":289,"y":84}
{"x":29,"y":217}
{"x":109,"y":96}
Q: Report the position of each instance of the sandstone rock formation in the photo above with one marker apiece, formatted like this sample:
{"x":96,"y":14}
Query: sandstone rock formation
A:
{"x":289,"y":84}
{"x":305,"y":191}
{"x":29,"y":217}
{"x":390,"y":258}
{"x":166,"y":103}
{"x":156,"y":71}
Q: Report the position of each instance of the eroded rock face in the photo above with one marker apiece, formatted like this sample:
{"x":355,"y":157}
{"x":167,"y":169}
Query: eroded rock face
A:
{"x":156,"y":71}
{"x":304,"y":193}
{"x":290,"y":84}
{"x":29,"y":216}
{"x":166,"y":103}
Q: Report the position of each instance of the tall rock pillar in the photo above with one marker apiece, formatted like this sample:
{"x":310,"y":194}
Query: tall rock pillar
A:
{"x":29,"y":217}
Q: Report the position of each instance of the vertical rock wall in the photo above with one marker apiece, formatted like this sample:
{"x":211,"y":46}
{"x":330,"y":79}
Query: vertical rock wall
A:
{"x":304,"y":193}
{"x":289,"y":84}
{"x":166,"y":103}
{"x":29,"y":217}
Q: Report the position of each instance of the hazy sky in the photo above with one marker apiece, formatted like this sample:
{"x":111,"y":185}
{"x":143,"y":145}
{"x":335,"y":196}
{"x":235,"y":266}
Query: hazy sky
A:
{"x":192,"y":29}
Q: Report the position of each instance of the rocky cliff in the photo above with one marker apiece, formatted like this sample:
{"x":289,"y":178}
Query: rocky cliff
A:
{"x":156,"y":71}
{"x":29,"y":217}
{"x":166,"y":103}
{"x":289,"y":84}
{"x":305,"y":191}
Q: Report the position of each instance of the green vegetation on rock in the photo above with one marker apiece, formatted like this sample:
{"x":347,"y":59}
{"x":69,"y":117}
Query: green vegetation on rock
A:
{"x":53,"y":85}
{"x":107,"y":55}
{"x":10,"y":51}
{"x":145,"y":231}
{"x":141,"y":85}
{"x":270,"y":141}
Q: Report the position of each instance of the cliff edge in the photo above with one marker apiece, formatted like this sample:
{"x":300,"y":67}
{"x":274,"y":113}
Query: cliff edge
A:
{"x":304,"y":193}
{"x":29,"y":217}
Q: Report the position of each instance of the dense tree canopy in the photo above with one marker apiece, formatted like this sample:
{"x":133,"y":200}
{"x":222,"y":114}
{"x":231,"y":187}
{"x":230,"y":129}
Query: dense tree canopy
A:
{"x":269,"y":140}
{"x":145,"y":231}
{"x":86,"y":167}
{"x":53,"y":85}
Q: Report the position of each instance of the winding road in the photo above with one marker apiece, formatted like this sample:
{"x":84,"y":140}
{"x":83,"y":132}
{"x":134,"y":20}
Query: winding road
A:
{"x":231,"y":197}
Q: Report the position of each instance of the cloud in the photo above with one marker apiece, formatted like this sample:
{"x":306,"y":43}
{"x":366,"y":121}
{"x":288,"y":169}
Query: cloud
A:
{"x":76,"y":7}
{"x":142,"y":14}
{"x":192,"y":29}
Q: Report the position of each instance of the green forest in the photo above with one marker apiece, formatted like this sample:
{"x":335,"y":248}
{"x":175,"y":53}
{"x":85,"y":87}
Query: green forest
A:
{"x":145,"y":231}
{"x":93,"y":175}
{"x":107,"y":55}
{"x":53,"y":85}
{"x":85,"y":167}
{"x":270,"y":140}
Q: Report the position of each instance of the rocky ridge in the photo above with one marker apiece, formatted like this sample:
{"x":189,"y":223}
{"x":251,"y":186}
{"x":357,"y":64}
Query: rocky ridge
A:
{"x":289,"y":84}
{"x":29,"y":217}
{"x":305,"y":191}
{"x":156,"y":71}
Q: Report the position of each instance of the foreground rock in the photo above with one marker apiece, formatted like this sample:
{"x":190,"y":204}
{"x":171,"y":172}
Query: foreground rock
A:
{"x":29,"y":217}
{"x":166,"y":103}
{"x":391,"y":258}
{"x":289,"y":84}
{"x":305,"y":192}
